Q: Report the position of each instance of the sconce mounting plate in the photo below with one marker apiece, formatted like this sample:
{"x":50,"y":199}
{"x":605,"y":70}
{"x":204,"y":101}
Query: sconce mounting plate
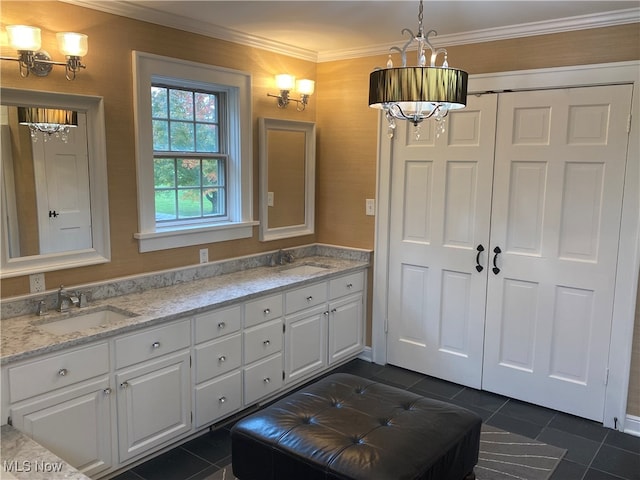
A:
{"x":40,"y":66}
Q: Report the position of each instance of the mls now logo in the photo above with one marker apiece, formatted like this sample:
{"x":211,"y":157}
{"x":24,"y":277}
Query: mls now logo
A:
{"x":27,"y":466}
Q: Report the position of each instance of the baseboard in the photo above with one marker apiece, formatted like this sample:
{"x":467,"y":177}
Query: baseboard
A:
{"x":632,"y":425}
{"x":366,"y":355}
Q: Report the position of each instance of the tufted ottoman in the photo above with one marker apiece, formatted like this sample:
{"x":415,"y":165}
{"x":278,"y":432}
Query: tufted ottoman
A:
{"x":347,"y":427}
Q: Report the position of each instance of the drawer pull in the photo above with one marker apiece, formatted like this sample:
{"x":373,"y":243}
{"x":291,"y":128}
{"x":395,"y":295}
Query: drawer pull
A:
{"x":155,"y":345}
{"x":222,"y":359}
{"x":266,"y":343}
{"x":221,"y":325}
{"x":63,"y":372}
{"x":326,"y":313}
{"x":334,"y":310}
{"x":124,"y":385}
{"x":267,"y":380}
{"x":107,"y":391}
{"x":349,"y":285}
{"x":267,"y":311}
{"x":222,"y":399}
{"x":309,"y":298}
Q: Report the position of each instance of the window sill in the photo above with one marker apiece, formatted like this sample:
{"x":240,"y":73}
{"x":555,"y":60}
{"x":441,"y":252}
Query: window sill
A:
{"x":163,"y":239}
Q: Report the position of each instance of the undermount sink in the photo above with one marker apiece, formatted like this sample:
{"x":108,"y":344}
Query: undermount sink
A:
{"x":305,"y":269}
{"x":102,"y":317}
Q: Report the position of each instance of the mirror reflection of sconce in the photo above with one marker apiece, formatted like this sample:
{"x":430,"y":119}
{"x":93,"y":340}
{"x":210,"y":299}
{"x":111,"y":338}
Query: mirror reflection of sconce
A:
{"x":27,"y":41}
{"x":50,"y":121}
{"x":285,"y":83}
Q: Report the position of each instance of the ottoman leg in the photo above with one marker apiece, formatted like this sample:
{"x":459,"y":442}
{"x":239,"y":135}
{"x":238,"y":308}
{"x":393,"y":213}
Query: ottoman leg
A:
{"x":470,"y":476}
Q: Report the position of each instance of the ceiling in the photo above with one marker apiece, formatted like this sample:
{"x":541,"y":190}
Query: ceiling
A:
{"x":336,"y":29}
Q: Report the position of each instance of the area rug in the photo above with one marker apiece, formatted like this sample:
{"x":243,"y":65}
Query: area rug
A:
{"x":503,"y":456}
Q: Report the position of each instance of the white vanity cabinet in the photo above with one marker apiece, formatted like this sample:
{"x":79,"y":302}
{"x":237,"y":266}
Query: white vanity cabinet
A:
{"x":346,"y":316}
{"x":217,"y":361}
{"x":153,"y":384}
{"x":64,"y":403}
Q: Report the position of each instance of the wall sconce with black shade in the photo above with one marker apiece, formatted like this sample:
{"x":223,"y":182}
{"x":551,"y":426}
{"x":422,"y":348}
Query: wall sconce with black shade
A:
{"x":27,"y":41}
{"x":285,"y":83}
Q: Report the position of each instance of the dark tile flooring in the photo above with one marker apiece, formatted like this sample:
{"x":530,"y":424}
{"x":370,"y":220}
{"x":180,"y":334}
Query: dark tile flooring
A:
{"x":593,"y":452}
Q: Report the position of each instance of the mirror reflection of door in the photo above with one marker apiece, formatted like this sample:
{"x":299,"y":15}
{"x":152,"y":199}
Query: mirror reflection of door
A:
{"x":286,"y":177}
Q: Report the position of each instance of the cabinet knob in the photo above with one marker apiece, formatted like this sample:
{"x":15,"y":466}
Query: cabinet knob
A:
{"x":266,"y":343}
{"x":155,"y":345}
{"x":222,"y":399}
{"x":124,"y":385}
{"x":222,"y":359}
{"x":349,"y":285}
{"x":309,"y":298}
{"x":326,"y":313}
{"x":107,"y":391}
{"x":267,"y":380}
{"x":267,"y":311}
{"x":221,"y":325}
{"x":63,"y":372}
{"x":334,"y":310}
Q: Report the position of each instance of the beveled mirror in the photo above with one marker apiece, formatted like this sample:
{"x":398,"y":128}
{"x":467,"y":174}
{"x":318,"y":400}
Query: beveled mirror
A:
{"x":287,"y":178}
{"x":55,"y":211}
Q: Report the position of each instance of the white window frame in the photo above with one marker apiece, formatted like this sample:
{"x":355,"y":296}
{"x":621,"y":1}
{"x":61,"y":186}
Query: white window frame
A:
{"x":148,"y":68}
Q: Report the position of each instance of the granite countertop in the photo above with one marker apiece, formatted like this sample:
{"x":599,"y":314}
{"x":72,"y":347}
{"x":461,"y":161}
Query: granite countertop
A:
{"x":23,"y":458}
{"x":22,"y":339}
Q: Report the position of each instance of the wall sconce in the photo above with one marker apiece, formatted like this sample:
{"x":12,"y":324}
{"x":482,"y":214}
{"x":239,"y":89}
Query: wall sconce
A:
{"x":26,"y":40}
{"x":50,"y":121}
{"x":285,"y":83}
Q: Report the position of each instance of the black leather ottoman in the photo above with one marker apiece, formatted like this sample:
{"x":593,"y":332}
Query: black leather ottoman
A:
{"x":347,"y":427}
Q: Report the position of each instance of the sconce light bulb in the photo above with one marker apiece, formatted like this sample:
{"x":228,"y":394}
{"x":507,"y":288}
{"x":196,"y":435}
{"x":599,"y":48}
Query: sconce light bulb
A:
{"x":305,"y":86}
{"x":285,"y":82}
{"x":24,"y":37}
{"x":73,"y":44}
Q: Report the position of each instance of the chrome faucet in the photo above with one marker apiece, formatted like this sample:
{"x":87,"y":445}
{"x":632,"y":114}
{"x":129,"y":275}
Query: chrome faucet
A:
{"x":283,"y":257}
{"x":67,"y":300}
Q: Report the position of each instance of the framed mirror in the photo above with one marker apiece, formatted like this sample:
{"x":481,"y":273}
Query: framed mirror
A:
{"x":55,"y":211}
{"x":287,"y":178}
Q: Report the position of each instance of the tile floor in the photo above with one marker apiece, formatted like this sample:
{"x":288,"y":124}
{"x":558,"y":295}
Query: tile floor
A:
{"x":593,"y":452}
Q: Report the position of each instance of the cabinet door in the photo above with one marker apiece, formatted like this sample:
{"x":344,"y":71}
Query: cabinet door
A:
{"x":345,"y":328}
{"x":305,"y":343}
{"x":154,"y":404}
{"x":75,"y":424}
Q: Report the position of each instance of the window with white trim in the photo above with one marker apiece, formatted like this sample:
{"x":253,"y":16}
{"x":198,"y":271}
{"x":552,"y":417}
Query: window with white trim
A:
{"x":193,"y":152}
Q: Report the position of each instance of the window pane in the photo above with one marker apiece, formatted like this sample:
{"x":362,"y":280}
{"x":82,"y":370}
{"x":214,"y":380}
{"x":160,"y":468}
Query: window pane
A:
{"x":164,"y":172}
{"x":182,"y":139}
{"x":189,"y":172}
{"x":206,"y":138}
{"x":159,"y":102}
{"x":160,"y":135}
{"x":206,"y":107}
{"x":181,"y":105}
{"x":165,"y":205}
{"x":213,"y":203}
{"x":189,"y":203}
{"x":210,"y":174}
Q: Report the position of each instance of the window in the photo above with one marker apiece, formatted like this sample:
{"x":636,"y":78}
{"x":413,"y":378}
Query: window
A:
{"x":193,"y":152}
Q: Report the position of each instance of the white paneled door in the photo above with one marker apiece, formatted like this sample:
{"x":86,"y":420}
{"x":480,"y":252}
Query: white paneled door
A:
{"x":557,"y":201}
{"x":441,"y":206}
{"x":503,"y":244}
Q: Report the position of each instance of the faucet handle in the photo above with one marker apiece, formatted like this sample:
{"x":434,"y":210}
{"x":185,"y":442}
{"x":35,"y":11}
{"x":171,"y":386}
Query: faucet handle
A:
{"x":82,"y":299}
{"x":42,"y":308}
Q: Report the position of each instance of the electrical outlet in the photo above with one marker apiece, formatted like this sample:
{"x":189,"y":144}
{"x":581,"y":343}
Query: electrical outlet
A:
{"x":36,"y":283}
{"x":370,"y":206}
{"x":204,"y":255}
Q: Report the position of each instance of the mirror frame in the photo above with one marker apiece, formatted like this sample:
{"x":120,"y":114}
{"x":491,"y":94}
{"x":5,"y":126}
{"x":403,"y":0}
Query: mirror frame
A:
{"x":308,"y":227}
{"x":93,"y":107}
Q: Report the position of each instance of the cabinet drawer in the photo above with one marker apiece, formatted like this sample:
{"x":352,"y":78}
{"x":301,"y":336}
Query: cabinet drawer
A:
{"x":262,"y":309}
{"x":306,"y":297}
{"x":218,"y":398}
{"x":152,"y":343}
{"x":339,"y":287}
{"x":217,"y":323}
{"x":262,"y":340}
{"x":218,"y":357}
{"x":262,"y":379}
{"x":57,"y":371}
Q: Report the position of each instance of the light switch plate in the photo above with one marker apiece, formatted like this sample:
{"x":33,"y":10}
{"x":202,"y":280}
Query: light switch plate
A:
{"x":370,"y":206}
{"x":204,"y":255}
{"x":270,"y":199}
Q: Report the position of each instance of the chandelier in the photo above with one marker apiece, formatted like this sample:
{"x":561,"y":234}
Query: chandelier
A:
{"x":51,"y":122}
{"x":420,"y":92}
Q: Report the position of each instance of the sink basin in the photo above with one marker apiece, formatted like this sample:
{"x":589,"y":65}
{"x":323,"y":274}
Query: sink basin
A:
{"x":102,"y":317}
{"x":305,"y":269}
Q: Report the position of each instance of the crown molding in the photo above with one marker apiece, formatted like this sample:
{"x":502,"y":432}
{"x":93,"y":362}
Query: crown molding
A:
{"x":140,"y":12}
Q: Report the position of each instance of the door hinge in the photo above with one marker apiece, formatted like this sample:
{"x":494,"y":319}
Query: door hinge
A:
{"x":191,"y":416}
{"x":9,"y":420}
{"x":190,"y":361}
{"x":284,"y":328}
{"x":606,"y":376}
{"x":283,"y":375}
{"x":629,"y":124}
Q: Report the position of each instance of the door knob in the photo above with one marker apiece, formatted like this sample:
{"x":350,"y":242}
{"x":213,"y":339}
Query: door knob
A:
{"x":53,"y":213}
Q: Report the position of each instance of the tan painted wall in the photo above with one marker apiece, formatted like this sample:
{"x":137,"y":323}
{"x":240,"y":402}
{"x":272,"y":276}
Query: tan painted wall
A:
{"x":346,"y":127}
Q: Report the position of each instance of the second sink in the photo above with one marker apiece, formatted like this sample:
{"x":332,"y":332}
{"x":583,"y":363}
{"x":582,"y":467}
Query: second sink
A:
{"x":304,"y":269}
{"x":101,"y":317}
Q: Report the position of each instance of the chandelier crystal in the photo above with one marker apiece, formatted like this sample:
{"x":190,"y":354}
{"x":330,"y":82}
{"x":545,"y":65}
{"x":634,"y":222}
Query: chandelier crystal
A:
{"x":51,"y":122}
{"x":420,"y":92}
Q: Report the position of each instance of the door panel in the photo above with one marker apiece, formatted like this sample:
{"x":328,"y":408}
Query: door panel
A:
{"x":557,"y":196}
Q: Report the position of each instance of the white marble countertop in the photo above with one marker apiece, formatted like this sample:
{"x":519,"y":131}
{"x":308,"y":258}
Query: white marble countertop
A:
{"x":21,"y":338}
{"x":23,"y":458}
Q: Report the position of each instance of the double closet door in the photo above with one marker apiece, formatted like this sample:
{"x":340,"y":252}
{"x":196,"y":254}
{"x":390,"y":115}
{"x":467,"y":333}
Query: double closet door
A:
{"x":503,"y":244}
